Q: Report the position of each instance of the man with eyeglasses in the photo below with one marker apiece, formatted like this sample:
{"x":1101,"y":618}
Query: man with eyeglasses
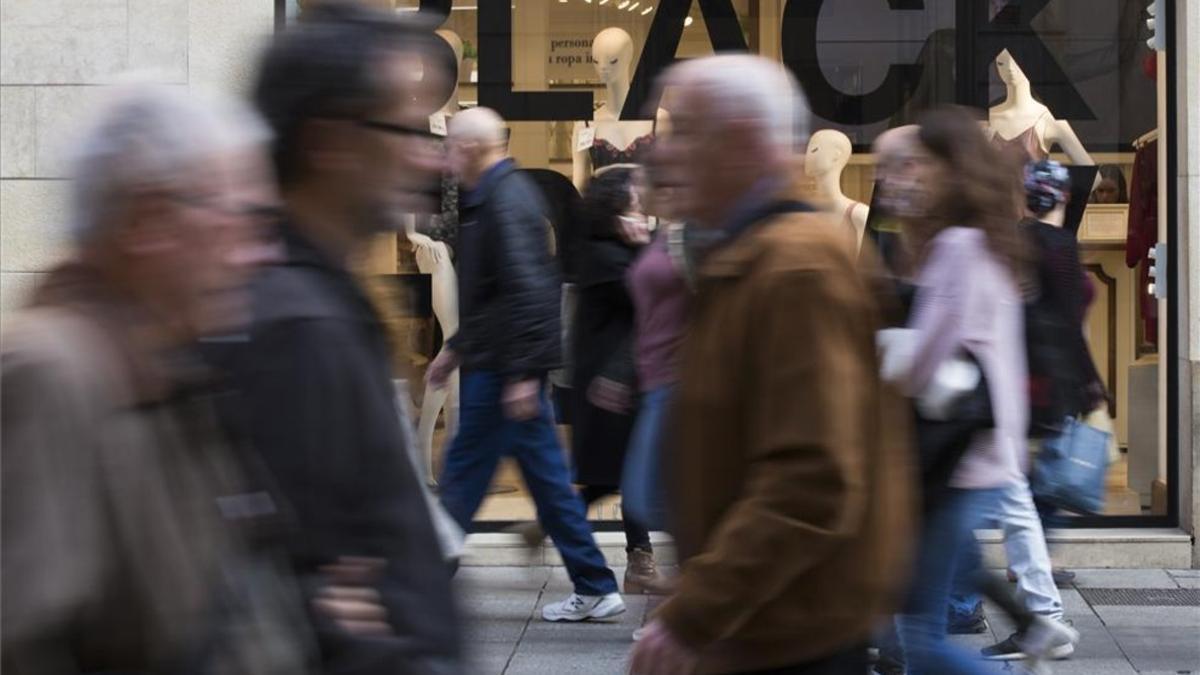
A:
{"x":348,"y":92}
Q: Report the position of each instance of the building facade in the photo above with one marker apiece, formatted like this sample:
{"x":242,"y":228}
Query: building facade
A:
{"x":57,"y":57}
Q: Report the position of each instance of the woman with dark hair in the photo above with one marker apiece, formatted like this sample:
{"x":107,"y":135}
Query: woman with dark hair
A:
{"x":605,"y":381}
{"x":1111,"y":187}
{"x":960,"y":205}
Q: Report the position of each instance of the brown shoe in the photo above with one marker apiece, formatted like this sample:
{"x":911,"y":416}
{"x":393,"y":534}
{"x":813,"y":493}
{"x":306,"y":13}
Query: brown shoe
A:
{"x":642,"y":576}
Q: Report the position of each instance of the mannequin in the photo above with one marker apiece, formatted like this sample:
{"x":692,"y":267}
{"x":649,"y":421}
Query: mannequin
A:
{"x":1022,"y":123}
{"x":433,"y":258}
{"x":456,"y":44}
{"x":615,"y":140}
{"x":828,"y":152}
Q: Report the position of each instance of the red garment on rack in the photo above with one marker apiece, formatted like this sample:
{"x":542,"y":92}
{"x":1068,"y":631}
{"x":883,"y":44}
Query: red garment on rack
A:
{"x":1143,"y":231}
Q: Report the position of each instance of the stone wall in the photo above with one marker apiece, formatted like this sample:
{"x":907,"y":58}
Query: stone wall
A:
{"x":56,"y":57}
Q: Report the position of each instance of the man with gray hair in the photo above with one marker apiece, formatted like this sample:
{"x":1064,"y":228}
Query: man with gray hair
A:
{"x":787,"y":472}
{"x":131,"y":530}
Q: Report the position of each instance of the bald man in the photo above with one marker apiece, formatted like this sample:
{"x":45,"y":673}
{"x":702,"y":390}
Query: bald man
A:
{"x":508,"y":340}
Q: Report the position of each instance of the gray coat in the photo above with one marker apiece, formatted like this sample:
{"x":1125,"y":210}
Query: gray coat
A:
{"x":125,"y":541}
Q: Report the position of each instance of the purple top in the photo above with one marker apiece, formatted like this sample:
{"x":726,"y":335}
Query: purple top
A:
{"x":967,"y":299}
{"x":660,"y":300}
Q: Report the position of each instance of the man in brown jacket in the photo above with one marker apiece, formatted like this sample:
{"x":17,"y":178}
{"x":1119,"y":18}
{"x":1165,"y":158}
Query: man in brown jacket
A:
{"x":788,"y":472}
{"x":129,"y":525}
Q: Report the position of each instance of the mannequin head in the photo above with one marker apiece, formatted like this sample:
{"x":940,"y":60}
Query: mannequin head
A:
{"x":455,"y":42}
{"x":828,"y":151}
{"x":612,"y":50}
{"x":1010,"y":73}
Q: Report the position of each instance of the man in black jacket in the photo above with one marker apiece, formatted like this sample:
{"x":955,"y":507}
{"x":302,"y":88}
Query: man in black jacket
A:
{"x":508,"y":340}
{"x":351,"y":153}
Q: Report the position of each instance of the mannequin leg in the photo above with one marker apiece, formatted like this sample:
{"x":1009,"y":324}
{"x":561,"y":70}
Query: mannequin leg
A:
{"x":435,"y":399}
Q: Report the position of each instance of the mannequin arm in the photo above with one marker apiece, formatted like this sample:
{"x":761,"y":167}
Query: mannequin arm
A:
{"x":1060,"y":132}
{"x":581,"y":161}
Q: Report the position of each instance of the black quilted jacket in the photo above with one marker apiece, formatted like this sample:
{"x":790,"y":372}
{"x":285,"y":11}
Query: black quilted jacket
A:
{"x":508,"y":280}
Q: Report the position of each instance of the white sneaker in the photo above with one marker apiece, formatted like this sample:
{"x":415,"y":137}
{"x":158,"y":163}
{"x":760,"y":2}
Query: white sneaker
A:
{"x":583,"y":607}
{"x":1048,"y":639}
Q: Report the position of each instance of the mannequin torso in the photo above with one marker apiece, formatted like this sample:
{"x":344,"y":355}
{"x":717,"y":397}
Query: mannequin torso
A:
{"x":1020,"y":121}
{"x":827,"y":155}
{"x":612,"y":140}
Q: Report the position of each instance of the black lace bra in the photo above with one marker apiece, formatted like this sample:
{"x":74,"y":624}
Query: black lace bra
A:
{"x":604,"y":153}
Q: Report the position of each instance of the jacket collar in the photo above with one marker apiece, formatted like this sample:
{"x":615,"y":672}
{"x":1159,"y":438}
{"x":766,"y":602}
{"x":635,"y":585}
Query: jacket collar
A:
{"x":735,"y":248}
{"x":156,"y":370}
{"x":301,"y":252}
{"x":488,"y":181}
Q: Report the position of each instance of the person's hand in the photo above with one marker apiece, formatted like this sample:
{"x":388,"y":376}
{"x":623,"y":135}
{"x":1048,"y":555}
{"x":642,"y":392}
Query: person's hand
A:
{"x":660,"y":653}
{"x":438,"y":373}
{"x":521,"y":399}
{"x":633,"y":230}
{"x":348,"y":598}
{"x":610,"y":395}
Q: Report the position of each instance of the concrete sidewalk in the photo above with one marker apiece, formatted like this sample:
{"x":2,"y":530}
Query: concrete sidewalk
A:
{"x":1155,"y":630}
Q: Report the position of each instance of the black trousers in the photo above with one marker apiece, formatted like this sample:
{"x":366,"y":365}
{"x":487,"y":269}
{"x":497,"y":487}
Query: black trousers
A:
{"x":636,"y":535}
{"x":852,"y":661}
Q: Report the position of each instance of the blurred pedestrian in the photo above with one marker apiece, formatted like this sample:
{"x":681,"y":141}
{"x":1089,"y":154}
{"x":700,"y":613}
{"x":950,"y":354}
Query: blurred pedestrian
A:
{"x":348,"y":93}
{"x":509,"y":339}
{"x":134,"y":537}
{"x":789,"y":508}
{"x":606,"y":382}
{"x":661,"y":294}
{"x":958,"y":210}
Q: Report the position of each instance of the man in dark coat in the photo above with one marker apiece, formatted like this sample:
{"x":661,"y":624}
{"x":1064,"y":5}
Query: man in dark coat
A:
{"x":507,"y":342}
{"x":351,"y":152}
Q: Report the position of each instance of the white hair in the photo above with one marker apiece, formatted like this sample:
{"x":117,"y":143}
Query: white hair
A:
{"x":479,"y":124}
{"x":746,"y":86}
{"x":150,"y":134}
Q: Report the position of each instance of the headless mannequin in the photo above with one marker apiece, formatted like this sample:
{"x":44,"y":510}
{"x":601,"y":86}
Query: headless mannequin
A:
{"x":612,"y":50}
{"x":433,"y":258}
{"x":828,"y":152}
{"x":1021,"y":114}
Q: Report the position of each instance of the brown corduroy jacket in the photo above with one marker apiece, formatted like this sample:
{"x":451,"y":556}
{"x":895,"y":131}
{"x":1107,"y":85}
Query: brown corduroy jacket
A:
{"x":789,"y":470}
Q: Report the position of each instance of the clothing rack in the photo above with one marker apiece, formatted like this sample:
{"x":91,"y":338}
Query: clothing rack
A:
{"x":1141,"y":141}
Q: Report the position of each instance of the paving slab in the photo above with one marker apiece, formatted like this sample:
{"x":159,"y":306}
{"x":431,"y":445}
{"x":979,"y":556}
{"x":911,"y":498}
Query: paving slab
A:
{"x":1169,"y":648}
{"x":1094,"y":666}
{"x":1184,"y":573}
{"x":488,"y":658}
{"x":1162,"y":617}
{"x":1107,"y":578}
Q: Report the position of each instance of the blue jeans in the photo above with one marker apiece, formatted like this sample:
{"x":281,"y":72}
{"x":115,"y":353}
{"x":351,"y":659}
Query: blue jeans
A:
{"x":1025,"y":547}
{"x":484,"y":435}
{"x":642,"y":495}
{"x":949,"y":530}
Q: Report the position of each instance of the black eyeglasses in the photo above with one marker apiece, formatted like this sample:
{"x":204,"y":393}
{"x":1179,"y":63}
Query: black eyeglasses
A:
{"x":400,"y":130}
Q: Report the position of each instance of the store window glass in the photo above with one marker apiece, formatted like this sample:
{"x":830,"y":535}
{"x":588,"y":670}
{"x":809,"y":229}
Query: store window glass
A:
{"x":1073,"y":80}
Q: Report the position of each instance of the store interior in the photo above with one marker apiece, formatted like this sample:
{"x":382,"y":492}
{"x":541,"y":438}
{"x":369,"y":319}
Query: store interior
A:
{"x":554,"y":46}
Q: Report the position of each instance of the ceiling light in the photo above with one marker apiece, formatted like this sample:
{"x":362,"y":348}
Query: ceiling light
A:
{"x":687,"y":21}
{"x":623,"y":5}
{"x":634,"y":6}
{"x":647,"y":10}
{"x":604,"y":2}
